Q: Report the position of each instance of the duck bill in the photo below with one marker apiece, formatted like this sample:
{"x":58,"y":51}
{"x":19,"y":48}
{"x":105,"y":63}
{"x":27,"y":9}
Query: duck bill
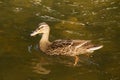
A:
{"x":33,"y":34}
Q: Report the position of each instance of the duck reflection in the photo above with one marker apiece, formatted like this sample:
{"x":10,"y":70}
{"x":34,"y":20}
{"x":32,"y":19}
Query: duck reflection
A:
{"x":40,"y":67}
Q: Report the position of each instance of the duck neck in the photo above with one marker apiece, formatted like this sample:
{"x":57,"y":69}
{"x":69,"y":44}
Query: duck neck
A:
{"x":44,"y":42}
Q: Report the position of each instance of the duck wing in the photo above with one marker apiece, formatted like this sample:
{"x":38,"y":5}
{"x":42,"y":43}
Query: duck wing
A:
{"x":59,"y":47}
{"x":80,"y":43}
{"x":65,"y":47}
{"x":64,"y":43}
{"x":60,"y":43}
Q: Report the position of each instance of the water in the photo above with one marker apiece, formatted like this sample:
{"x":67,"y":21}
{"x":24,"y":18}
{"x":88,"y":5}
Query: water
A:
{"x":97,"y":20}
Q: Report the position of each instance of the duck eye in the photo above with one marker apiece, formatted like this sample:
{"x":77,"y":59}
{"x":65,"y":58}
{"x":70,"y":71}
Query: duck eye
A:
{"x":39,"y":28}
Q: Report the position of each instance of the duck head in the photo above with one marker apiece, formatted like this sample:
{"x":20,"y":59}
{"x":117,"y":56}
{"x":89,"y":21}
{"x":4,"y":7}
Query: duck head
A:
{"x":42,"y":29}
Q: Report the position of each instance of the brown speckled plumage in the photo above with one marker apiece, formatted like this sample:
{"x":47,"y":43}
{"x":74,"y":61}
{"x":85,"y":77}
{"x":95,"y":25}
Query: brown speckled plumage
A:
{"x":67,"y":47}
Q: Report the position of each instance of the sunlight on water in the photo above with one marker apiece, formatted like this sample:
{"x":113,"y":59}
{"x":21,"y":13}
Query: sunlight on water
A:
{"x":36,"y":2}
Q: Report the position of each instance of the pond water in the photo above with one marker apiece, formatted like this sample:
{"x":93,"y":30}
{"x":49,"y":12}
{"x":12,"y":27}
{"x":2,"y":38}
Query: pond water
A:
{"x":97,"y":20}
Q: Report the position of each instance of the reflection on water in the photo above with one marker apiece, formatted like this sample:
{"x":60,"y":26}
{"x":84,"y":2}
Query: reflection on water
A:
{"x":35,"y":47}
{"x":40,"y":69}
{"x":97,"y":20}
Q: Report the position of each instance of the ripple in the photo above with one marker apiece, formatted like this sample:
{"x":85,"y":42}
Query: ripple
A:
{"x":36,"y":2}
{"x":34,"y":47}
{"x":29,"y":48}
{"x":17,"y":9}
{"x":38,"y":68}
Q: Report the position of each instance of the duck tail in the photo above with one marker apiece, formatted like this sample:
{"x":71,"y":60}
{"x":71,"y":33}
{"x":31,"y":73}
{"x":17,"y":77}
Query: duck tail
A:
{"x":95,"y":48}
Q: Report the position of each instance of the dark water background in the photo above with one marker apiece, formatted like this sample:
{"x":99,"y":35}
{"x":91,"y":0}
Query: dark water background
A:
{"x":97,"y":20}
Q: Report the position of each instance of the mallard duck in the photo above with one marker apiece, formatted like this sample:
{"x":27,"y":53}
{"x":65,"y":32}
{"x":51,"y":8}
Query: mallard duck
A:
{"x":63,"y":47}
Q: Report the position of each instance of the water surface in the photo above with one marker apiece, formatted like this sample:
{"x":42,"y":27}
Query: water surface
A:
{"x":97,"y":20}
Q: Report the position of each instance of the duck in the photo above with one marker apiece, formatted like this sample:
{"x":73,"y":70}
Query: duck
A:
{"x":68,"y":47}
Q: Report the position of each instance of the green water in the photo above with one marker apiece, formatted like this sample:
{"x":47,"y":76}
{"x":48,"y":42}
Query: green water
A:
{"x":97,"y":20}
